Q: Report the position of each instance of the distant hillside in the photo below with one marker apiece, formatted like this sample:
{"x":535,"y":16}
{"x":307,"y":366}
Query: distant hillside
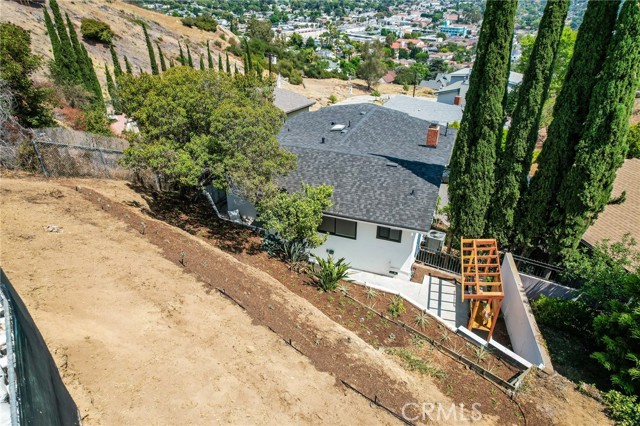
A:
{"x":124,"y":20}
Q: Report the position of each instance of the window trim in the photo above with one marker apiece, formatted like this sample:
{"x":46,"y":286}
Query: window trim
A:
{"x":355,"y":223}
{"x":380,"y":237}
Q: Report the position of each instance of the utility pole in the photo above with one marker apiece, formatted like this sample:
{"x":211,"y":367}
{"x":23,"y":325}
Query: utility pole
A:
{"x":415,"y":82}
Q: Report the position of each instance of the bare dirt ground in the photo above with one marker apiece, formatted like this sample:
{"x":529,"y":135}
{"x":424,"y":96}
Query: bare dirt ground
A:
{"x":321,"y":90}
{"x":139,"y":341}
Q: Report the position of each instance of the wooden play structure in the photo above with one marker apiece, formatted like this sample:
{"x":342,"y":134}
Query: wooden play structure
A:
{"x":481,"y":282}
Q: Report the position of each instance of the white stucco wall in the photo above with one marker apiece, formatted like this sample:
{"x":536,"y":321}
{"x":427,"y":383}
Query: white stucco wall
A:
{"x":246,"y":208}
{"x":521,"y":324}
{"x":368,"y":253}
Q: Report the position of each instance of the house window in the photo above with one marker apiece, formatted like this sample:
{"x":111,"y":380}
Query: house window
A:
{"x":339,"y":227}
{"x":389,"y":234}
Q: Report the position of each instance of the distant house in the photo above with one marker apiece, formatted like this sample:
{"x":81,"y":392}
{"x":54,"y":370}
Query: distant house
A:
{"x":388,"y":77}
{"x":619,"y":219}
{"x":291,"y":103}
{"x":385,"y":167}
{"x":425,"y":109}
{"x":453,"y":30}
{"x":406,"y":43}
{"x":455,"y":92}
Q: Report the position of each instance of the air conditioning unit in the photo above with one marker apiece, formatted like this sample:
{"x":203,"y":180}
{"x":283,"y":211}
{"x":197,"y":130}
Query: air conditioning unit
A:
{"x":435,"y":240}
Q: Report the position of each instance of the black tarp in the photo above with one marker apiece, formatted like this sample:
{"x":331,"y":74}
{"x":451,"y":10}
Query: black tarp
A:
{"x":43,"y":398}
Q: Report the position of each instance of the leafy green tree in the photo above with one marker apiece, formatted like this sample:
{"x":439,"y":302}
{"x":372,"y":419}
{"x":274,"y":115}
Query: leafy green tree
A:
{"x":472,"y":177}
{"x":603,"y":147}
{"x":152,"y":55}
{"x":117,"y":69}
{"x":514,"y":162}
{"x":310,"y":43}
{"x":96,"y":30}
{"x":209,"y":57}
{"x":372,"y":67}
{"x":563,"y":57}
{"x":198,"y":128}
{"x":297,"y":216}
{"x":296,"y":40}
{"x":260,"y":29}
{"x":18,"y":63}
{"x":610,"y":283}
{"x":163,"y":64}
{"x":570,"y":112}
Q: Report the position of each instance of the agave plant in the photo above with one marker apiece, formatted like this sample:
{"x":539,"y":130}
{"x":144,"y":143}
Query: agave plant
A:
{"x":329,"y":272}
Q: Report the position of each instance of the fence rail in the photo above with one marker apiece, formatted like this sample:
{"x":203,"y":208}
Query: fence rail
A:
{"x":451,"y":263}
{"x":439,"y":260}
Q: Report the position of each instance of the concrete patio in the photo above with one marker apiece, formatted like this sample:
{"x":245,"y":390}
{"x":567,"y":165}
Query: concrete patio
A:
{"x":438,"y":296}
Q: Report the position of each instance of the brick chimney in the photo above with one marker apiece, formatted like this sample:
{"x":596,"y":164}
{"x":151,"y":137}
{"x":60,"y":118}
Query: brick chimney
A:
{"x":457,"y":100}
{"x":432,"y":135}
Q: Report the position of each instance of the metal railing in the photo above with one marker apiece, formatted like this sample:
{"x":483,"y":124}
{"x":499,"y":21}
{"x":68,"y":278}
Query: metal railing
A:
{"x":451,"y":263}
{"x":439,"y":260}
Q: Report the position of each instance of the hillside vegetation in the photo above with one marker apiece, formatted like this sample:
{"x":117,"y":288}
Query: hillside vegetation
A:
{"x":124,"y":20}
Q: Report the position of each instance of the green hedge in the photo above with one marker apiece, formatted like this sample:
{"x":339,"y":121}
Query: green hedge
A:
{"x":95,"y":30}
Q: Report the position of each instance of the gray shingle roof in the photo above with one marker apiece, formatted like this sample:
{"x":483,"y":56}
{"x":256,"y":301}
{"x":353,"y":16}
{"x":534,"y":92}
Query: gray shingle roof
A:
{"x":380,"y":169}
{"x":289,"y":101}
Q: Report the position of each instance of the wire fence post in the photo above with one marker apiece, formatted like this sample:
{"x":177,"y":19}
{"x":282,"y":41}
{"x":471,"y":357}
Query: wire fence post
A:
{"x":104,"y":163}
{"x":35,"y":147}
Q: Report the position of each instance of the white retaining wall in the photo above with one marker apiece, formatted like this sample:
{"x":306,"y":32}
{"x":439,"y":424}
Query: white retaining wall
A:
{"x":521,"y":324}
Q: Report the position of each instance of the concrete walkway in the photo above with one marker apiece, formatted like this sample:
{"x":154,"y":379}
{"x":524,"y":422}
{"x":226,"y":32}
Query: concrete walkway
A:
{"x":438,"y":296}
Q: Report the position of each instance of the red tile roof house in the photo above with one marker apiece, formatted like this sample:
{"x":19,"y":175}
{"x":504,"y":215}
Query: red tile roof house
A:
{"x":403,"y":43}
{"x":388,"y":78}
{"x":619,"y":219}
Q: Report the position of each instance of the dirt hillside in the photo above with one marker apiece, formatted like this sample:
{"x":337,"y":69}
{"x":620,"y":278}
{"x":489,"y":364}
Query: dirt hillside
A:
{"x":124,"y":20}
{"x":140,"y":342}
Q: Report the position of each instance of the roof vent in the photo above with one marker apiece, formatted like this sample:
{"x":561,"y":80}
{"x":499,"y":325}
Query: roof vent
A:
{"x":338,"y":127}
{"x":344,"y":131}
{"x":322,"y":141}
{"x":363,"y":112}
{"x":392,"y":165}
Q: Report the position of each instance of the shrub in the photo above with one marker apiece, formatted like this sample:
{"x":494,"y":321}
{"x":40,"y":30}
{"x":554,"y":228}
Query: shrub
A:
{"x":623,"y":409}
{"x":375,"y":93}
{"x":569,"y":316}
{"x":396,"y":307}
{"x":333,"y":99}
{"x":293,"y":251}
{"x":95,"y":30}
{"x":634,"y":141}
{"x":203,"y":22}
{"x":218,"y":44}
{"x":330,"y":272}
{"x":455,"y":125}
{"x":295,"y":77}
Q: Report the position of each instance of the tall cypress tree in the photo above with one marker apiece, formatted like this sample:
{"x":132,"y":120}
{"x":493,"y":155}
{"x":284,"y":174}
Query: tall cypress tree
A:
{"x":514,"y":163}
{"x":209,"y":57}
{"x":220,"y":67}
{"x":235,"y":68}
{"x":189,"y":59}
{"x":69,"y":60}
{"x":84,"y":67}
{"x":603,"y":147}
{"x":228,"y":64}
{"x":93,"y":85}
{"x":181,"y":58}
{"x":163,"y":64}
{"x":474,"y":154}
{"x":533,"y":221}
{"x":152,"y":55}
{"x":53,"y":36}
{"x":112,"y":90}
{"x":127,"y":66}
{"x":117,"y":69}
{"x":201,"y":61}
